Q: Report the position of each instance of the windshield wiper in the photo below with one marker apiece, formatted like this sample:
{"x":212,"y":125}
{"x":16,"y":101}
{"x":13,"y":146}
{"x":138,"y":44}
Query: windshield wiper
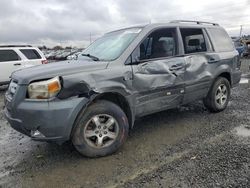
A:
{"x":91,"y":56}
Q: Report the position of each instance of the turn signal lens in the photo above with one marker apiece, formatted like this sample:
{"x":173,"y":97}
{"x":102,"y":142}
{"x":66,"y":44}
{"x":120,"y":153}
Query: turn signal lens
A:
{"x":54,"y":87}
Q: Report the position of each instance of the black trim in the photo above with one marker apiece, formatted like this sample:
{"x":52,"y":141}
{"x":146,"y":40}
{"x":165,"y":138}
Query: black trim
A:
{"x":160,"y":92}
{"x":204,"y":84}
{"x":210,"y":40}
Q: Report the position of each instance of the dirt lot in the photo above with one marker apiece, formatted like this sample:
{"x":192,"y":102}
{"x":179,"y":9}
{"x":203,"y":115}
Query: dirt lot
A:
{"x":185,"y":147}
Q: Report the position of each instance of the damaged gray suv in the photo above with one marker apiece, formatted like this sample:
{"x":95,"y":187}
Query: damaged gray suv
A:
{"x":124,"y":75}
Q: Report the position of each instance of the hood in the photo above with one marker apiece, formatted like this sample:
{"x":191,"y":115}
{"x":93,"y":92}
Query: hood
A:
{"x":25,"y":76}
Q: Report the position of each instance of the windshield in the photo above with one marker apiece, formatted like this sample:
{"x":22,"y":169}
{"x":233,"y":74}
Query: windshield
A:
{"x":111,"y":45}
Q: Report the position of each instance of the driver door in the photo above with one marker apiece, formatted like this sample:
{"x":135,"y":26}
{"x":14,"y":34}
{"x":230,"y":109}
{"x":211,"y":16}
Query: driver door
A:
{"x":158,"y":73}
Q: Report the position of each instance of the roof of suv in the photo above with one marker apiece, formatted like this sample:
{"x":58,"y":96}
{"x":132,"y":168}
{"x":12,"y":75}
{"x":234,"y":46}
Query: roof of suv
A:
{"x":174,"y":23}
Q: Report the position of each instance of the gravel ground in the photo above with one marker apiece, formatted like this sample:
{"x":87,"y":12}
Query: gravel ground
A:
{"x":185,"y":147}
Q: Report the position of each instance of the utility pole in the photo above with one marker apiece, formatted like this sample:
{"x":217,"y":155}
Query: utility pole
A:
{"x":241,"y":27}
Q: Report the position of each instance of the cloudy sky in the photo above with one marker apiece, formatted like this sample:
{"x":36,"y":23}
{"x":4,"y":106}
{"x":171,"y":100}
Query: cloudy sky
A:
{"x":70,"y":22}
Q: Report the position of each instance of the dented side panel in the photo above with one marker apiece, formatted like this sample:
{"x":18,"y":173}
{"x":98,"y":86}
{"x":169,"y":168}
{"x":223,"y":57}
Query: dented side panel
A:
{"x":202,"y":70}
{"x":197,"y":77}
{"x":159,"y":84}
{"x":116,"y":80}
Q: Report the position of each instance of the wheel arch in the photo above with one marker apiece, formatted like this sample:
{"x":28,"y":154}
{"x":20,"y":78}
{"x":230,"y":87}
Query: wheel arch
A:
{"x":119,"y":100}
{"x":226,"y":75}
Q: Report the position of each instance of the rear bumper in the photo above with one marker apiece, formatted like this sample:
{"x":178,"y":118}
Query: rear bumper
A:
{"x":53,"y":119}
{"x":236,"y":76}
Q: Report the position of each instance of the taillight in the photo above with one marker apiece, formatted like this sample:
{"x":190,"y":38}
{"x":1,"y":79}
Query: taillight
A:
{"x":45,"y":61}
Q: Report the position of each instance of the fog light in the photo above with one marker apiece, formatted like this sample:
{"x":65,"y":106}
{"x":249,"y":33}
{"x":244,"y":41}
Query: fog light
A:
{"x":36,"y":134}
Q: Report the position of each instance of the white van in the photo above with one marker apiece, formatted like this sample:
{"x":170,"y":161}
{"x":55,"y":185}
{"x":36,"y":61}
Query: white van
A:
{"x":14,"y":57}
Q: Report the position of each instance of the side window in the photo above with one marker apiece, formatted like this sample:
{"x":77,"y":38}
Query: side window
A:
{"x":8,"y":55}
{"x":193,"y":40}
{"x":221,"y":41}
{"x":160,"y":43}
{"x":31,"y":53}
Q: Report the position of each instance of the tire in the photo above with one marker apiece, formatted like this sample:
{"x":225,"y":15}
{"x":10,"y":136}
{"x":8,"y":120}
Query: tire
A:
{"x":218,"y":95}
{"x":100,"y":130}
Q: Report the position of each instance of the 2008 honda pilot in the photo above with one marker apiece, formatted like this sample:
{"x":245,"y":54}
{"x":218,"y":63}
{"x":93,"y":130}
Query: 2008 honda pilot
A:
{"x":94,"y":100}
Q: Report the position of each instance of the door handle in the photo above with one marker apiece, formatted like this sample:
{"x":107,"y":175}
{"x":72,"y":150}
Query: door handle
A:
{"x":176,"y":67}
{"x":17,"y":64}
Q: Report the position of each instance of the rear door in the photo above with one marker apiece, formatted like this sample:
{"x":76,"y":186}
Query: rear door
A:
{"x":9,"y":62}
{"x":32,"y":56}
{"x":198,"y":54}
{"x":158,"y":72}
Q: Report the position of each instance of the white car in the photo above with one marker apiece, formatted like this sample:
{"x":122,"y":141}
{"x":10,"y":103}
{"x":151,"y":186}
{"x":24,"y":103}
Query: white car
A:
{"x":18,"y":57}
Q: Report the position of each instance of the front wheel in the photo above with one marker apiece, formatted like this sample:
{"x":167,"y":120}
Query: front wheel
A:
{"x":218,"y":95}
{"x":100,"y":130}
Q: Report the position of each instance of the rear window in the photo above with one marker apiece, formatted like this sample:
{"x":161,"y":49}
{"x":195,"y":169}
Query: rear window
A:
{"x":31,"y":53}
{"x":8,"y":55}
{"x":221,"y":41}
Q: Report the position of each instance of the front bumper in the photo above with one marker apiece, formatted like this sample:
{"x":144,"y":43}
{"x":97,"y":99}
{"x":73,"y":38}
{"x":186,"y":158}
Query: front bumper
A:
{"x":54,"y":119}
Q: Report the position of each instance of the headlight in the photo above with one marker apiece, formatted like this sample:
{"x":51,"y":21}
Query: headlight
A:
{"x":44,"y":89}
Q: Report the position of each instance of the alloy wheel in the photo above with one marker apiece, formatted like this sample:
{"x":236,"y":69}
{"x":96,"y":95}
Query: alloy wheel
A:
{"x":101,"y":131}
{"x":221,"y":95}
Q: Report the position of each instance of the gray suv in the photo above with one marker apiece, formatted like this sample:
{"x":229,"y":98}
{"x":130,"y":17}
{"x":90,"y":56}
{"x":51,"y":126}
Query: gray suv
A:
{"x":124,"y":75}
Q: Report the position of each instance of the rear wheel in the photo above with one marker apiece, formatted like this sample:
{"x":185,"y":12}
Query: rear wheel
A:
{"x":100,"y":130}
{"x":218,"y":96}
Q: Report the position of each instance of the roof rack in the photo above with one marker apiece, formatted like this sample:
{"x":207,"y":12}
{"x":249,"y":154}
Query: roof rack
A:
{"x":190,"y":21}
{"x":12,"y":46}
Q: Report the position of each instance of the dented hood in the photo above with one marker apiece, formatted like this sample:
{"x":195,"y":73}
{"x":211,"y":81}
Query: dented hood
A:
{"x":27,"y":75}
